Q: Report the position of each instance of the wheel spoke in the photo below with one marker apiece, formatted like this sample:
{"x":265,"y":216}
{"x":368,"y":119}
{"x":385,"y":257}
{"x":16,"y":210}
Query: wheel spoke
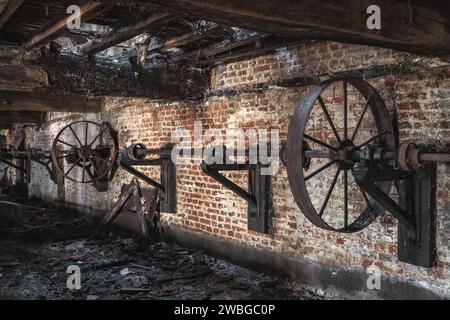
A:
{"x":373,"y":139}
{"x":327,"y":115}
{"x":345,"y":111}
{"x":62,"y":157}
{"x":330,"y":191}
{"x":95,"y":139}
{"x":329,"y":164}
{"x":84,"y":170}
{"x":70,"y":127}
{"x":326,"y":145}
{"x":366,"y":198}
{"x":366,"y":106}
{"x":67,"y":144}
{"x":345,"y":199}
{"x":73,"y":166}
{"x":86,"y":133}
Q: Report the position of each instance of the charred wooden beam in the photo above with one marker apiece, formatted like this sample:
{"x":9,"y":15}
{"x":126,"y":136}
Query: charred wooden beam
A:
{"x":115,"y":37}
{"x":404,"y":26}
{"x":10,"y":8}
{"x":10,"y":117}
{"x":213,"y":51}
{"x":190,"y":38}
{"x":22,"y":78}
{"x":87,"y":11}
{"x":248,"y":48}
{"x":69,"y":74}
{"x":41,"y":102}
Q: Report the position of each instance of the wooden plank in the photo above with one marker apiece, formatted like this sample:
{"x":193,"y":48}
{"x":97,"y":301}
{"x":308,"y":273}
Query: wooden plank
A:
{"x":43,"y":102}
{"x":22,"y":78}
{"x":10,"y":8}
{"x":21,"y":117}
{"x":422,"y":29}
{"x":116,"y":37}
{"x":87,"y":11}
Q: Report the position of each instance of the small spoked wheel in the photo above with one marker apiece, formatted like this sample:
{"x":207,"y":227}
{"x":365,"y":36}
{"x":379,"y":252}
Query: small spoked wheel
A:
{"x":84,"y":152}
{"x":335,"y":119}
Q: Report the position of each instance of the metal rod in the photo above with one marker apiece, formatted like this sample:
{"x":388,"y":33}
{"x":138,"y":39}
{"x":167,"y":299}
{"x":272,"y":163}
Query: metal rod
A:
{"x":345,"y":199}
{"x":329,"y":164}
{"x":372,"y":139}
{"x":327,"y":115}
{"x":70,"y":127}
{"x":326,"y":145}
{"x":345,"y":111}
{"x":435,"y":157}
{"x":330,"y":191}
{"x":319,"y":154}
{"x":361,"y":117}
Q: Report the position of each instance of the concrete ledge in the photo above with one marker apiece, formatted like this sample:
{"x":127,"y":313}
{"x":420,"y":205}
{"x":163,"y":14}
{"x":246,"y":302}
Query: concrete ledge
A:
{"x":350,"y":282}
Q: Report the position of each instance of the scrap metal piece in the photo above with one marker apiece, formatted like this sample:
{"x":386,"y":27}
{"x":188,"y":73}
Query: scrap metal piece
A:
{"x":132,"y":210}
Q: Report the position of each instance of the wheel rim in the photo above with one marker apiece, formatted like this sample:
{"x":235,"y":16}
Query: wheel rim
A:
{"x":84,"y":152}
{"x":342,"y":144}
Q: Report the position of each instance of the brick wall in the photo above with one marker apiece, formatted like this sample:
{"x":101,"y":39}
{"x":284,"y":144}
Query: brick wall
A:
{"x":261,"y":93}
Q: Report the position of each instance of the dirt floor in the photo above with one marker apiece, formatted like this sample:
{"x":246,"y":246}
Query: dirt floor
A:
{"x":36,"y":248}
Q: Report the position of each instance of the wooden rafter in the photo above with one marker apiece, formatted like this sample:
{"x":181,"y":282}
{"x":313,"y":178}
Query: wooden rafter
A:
{"x":191,"y":37}
{"x":115,"y":37}
{"x":10,"y":8}
{"x":251,"y":47}
{"x":41,"y":102}
{"x":87,"y":11}
{"x":422,"y":29}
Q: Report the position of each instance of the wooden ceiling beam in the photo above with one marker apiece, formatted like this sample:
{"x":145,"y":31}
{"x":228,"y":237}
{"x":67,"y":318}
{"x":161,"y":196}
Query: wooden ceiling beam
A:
{"x":419,"y":29}
{"x":191,"y":37}
{"x":43,"y":102}
{"x":244,"y":49}
{"x":116,"y":37}
{"x":22,"y":78}
{"x":10,"y":117}
{"x":87,"y":11}
{"x":10,"y":8}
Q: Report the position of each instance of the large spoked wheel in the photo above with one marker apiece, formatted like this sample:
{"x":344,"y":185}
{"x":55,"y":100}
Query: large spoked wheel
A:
{"x":334,"y":119}
{"x":84,"y":152}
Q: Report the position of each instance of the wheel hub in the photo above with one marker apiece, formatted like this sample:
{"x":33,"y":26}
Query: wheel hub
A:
{"x":344,"y":155}
{"x":85,"y":151}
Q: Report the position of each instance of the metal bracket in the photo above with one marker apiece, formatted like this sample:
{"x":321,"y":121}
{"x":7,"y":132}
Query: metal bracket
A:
{"x":168,"y":178}
{"x":418,"y":246}
{"x":416,"y":212}
{"x":257,"y":195}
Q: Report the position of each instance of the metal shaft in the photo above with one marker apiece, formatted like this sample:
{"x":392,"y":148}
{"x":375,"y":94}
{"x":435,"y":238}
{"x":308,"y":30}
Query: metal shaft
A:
{"x":435,"y":157}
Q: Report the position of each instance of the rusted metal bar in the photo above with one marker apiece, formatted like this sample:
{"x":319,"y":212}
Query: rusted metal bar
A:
{"x":435,"y":157}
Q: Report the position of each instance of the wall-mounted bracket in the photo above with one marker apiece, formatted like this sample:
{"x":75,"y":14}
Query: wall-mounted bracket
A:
{"x":418,"y":194}
{"x":257,"y":194}
{"x":416,"y":211}
{"x":135,"y":156}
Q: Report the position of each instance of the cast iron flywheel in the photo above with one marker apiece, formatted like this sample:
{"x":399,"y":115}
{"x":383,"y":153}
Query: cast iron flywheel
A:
{"x":84,"y":152}
{"x":333,"y":120}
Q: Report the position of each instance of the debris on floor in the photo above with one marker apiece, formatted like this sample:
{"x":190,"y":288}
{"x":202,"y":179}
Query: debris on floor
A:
{"x":37,"y":249}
